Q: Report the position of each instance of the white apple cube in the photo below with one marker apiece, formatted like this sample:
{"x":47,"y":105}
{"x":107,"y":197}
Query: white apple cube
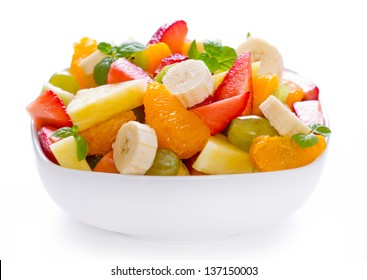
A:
{"x":220,"y":156}
{"x":65,"y":151}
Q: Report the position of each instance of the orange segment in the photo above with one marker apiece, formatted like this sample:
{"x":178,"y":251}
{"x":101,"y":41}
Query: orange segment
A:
{"x":271,"y":153}
{"x":263,"y":86}
{"x":82,"y":49}
{"x":295,"y":94}
{"x":155,"y":53}
{"x":177,"y":128}
{"x":101,"y":136}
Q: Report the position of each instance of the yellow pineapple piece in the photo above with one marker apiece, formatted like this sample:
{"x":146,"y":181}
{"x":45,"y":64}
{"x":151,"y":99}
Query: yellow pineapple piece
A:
{"x":220,"y":156}
{"x":65,"y":151}
{"x":94,"y":105}
{"x":101,"y":136}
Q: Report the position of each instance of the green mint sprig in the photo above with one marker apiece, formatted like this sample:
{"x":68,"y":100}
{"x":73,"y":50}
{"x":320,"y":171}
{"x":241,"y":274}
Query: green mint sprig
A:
{"x":82,"y":144}
{"x":113,"y":53}
{"x":309,"y":140}
{"x":216,"y":57}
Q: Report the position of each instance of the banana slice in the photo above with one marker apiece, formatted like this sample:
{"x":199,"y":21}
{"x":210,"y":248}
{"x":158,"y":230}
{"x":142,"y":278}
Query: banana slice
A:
{"x":282,"y":118}
{"x":270,"y":58}
{"x":135,"y":148}
{"x":190,"y":81}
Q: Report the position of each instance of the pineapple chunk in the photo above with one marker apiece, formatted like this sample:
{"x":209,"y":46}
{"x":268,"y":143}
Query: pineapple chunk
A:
{"x":220,"y":156}
{"x":65,"y":151}
{"x":94,"y":105}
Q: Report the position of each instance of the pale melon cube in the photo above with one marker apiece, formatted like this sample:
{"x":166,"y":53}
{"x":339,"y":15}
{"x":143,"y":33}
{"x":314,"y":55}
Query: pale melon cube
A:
{"x":220,"y":156}
{"x":94,"y":105}
{"x":65,"y":151}
{"x":88,"y":63}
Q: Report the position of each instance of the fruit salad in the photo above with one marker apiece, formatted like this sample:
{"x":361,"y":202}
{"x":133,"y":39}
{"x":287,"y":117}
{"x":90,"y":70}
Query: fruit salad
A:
{"x":178,"y":106}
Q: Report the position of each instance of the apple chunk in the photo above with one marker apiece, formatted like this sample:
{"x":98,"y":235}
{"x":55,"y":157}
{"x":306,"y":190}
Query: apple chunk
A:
{"x":65,"y":151}
{"x":220,"y":156}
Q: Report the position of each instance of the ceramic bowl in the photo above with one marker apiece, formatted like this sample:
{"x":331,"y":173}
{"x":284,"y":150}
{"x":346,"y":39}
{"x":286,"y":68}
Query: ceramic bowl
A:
{"x":178,"y":209}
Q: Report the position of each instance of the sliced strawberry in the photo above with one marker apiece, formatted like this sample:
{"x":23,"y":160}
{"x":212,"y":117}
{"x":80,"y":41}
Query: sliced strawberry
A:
{"x":174,"y":35}
{"x":219,"y":114}
{"x":207,"y":101}
{"x":311,"y":91}
{"x":46,"y":140}
{"x":309,"y":112}
{"x":174,"y":58}
{"x":123,"y":70}
{"x":48,"y":109}
{"x":237,"y":81}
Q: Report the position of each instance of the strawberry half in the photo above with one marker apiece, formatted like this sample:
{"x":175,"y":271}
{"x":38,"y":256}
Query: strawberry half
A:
{"x":174,"y":35}
{"x":217,"y":115}
{"x":46,"y":140}
{"x":174,"y":58}
{"x":123,"y":70}
{"x":237,"y":80}
{"x":48,"y":109}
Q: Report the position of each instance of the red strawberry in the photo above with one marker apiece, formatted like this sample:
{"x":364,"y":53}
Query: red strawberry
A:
{"x":174,"y":58}
{"x":123,"y":70}
{"x":174,"y":35}
{"x":238,"y":79}
{"x":48,"y":109}
{"x":219,"y":114}
{"x":309,"y":112}
{"x":46,"y":140}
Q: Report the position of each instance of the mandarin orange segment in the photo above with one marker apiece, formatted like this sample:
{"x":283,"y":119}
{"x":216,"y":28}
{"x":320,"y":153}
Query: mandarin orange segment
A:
{"x":295,"y":94}
{"x":263,"y":86}
{"x":177,"y":128}
{"x":82,"y":49}
{"x":272,"y":153}
{"x":101,"y":136}
{"x":155,"y":53}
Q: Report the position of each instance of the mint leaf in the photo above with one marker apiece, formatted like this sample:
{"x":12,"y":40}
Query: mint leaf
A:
{"x":248,"y":35}
{"x":216,"y":57}
{"x":305,"y":141}
{"x":82,"y":147}
{"x":226,"y":58}
{"x":320,"y":129}
{"x":193,"y":51}
{"x":212,"y":64}
{"x":63,"y":132}
{"x":213,"y":48}
{"x":127,"y":48}
{"x":106,"y":48}
{"x":82,"y":144}
{"x":101,"y":70}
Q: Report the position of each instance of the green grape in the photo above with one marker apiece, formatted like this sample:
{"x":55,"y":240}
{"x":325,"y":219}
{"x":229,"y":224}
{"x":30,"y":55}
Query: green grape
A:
{"x":243,"y":129}
{"x":139,"y":59}
{"x":65,"y":81}
{"x":159,"y":77}
{"x":165,"y":163}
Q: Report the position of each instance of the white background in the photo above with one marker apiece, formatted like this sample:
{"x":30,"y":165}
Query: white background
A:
{"x":324,"y":41}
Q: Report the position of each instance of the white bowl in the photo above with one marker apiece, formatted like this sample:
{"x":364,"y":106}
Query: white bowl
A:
{"x":178,"y":209}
